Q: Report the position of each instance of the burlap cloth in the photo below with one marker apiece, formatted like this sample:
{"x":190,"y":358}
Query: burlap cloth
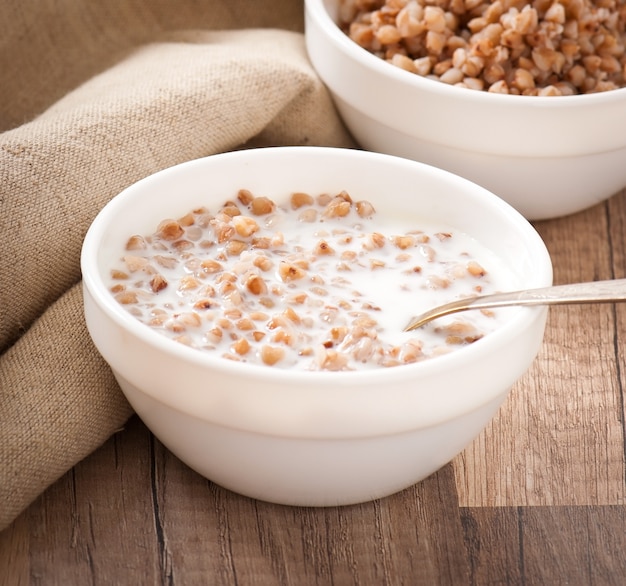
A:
{"x":94,"y":96}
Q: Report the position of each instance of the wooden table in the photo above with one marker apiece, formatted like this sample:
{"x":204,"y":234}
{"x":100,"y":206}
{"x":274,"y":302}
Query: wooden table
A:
{"x":538,"y":498}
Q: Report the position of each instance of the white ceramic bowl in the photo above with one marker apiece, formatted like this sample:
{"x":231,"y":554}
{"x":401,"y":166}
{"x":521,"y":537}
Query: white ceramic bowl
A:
{"x":546,"y":156}
{"x":301,"y":437}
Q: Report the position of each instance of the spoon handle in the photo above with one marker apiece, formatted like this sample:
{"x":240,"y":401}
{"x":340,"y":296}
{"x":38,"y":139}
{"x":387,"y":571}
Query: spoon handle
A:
{"x":610,"y":291}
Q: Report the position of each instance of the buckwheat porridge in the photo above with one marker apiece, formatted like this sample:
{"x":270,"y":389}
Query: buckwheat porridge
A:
{"x":523,"y":47}
{"x":320,"y":283}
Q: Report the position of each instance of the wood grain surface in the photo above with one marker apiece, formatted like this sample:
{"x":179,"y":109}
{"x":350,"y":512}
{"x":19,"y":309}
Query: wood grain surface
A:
{"x":538,"y":498}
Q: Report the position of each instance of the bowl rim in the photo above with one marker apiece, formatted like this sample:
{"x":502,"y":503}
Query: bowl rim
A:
{"x":93,"y":281}
{"x":317,"y":10}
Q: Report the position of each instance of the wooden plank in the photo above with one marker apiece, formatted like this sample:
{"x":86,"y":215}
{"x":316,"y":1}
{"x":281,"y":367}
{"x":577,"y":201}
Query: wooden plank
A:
{"x":616,"y":220}
{"x":14,"y":554}
{"x":96,"y":523}
{"x":558,"y":440}
{"x":554,"y":545}
{"x":492,"y":538}
{"x":574,"y":545}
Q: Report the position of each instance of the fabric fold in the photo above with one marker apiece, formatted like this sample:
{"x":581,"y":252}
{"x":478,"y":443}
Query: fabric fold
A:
{"x":59,"y":402}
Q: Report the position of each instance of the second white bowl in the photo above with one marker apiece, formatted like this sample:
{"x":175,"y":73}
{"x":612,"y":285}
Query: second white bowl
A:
{"x":546,"y":156}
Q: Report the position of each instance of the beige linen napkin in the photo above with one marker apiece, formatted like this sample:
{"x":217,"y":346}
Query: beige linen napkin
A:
{"x":73,"y":139}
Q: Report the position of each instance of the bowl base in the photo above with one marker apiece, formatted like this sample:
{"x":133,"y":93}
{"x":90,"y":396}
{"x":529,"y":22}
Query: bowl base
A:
{"x":308,"y":472}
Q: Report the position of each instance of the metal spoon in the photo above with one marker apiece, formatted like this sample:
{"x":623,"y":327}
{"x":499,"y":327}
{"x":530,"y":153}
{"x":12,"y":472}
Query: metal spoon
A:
{"x":594,"y":292}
